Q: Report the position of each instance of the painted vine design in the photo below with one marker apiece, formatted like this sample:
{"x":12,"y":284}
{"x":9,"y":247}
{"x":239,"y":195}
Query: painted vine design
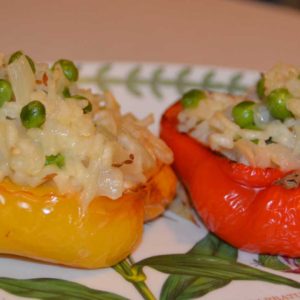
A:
{"x":134,"y":81}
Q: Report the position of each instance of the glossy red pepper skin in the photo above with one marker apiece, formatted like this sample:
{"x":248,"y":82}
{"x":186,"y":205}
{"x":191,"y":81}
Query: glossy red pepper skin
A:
{"x":241,"y":204}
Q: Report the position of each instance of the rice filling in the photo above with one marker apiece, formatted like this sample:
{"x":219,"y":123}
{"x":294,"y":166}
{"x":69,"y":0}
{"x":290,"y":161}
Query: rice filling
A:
{"x":83,"y":141}
{"x":261,"y":130}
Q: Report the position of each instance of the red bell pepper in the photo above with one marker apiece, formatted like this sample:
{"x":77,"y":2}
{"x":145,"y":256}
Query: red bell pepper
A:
{"x":245,"y":206}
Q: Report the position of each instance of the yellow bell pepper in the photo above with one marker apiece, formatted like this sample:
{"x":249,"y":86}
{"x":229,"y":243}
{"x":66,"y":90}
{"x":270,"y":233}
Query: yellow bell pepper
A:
{"x":39,"y":223}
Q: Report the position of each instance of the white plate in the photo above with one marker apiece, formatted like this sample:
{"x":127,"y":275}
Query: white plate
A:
{"x":141,"y":89}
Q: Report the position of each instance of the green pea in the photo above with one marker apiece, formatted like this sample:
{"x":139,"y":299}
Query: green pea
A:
{"x":243,"y":114}
{"x":192,"y":98}
{"x":33,"y":115}
{"x":69,"y":69}
{"x":58,"y":160}
{"x":276,"y":103}
{"x":260,"y":87}
{"x":6,"y":91}
{"x":87,"y":108}
{"x":17,"y":55}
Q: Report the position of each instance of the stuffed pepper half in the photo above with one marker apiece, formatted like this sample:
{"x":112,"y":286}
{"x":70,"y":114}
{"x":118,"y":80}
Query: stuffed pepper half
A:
{"x":77,"y":178}
{"x":239,"y":158}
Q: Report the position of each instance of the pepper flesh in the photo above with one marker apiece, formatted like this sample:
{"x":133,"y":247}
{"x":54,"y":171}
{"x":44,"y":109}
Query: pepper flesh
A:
{"x":41,"y":224}
{"x":243,"y":205}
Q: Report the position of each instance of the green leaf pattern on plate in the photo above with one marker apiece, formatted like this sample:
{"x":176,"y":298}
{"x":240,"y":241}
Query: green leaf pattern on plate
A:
{"x":273,"y":262}
{"x":212,"y":267}
{"x":134,"y":80}
{"x":188,"y":287}
{"x":48,"y":288}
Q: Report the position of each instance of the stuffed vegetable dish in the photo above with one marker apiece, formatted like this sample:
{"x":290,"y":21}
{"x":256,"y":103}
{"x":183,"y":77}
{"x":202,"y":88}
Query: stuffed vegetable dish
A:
{"x":77,"y":178}
{"x":239,"y":158}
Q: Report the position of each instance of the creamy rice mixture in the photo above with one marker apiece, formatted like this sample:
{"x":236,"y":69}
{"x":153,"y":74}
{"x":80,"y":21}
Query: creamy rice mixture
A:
{"x":272,"y":140}
{"x":85,"y":145}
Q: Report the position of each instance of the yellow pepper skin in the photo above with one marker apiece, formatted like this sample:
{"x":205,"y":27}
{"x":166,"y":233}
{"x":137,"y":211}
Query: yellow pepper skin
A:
{"x":45,"y":226}
{"x":40,"y":224}
{"x":161,"y":191}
